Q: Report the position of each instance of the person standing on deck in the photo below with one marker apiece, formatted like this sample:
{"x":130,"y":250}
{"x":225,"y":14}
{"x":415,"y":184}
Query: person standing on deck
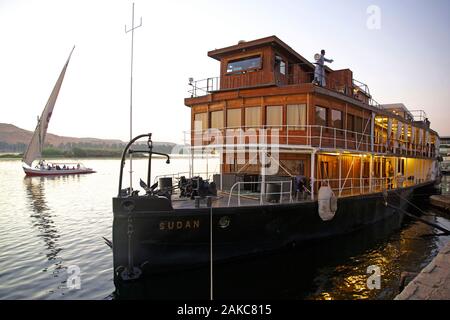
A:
{"x":319,"y":72}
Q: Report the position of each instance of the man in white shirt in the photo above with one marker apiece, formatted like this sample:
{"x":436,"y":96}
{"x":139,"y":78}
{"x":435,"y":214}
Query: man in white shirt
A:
{"x":319,"y":72}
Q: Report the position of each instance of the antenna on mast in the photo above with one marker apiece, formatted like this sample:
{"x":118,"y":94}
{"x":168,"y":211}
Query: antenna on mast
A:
{"x":133,"y":27}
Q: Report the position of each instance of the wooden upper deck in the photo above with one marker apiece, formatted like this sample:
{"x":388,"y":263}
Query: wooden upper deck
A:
{"x":265,"y":84}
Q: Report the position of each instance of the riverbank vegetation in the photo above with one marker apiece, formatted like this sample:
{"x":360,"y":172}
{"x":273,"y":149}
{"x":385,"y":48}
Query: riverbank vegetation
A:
{"x":89,"y":151}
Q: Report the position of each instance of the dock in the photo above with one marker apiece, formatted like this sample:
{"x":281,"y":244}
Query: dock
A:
{"x":441,"y":201}
{"x":433,"y":282}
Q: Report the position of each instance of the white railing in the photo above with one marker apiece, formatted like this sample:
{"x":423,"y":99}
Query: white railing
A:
{"x":364,"y":185}
{"x":312,"y":135}
{"x":262,"y":192}
{"x":305,"y":135}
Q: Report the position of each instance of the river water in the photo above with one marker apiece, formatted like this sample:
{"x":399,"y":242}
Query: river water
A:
{"x":52,"y":229}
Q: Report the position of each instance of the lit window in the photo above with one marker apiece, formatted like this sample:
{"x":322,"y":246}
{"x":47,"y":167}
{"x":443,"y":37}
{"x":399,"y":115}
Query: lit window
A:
{"x":244,"y":64}
{"x":274,"y":116}
{"x":217,"y":119}
{"x":234,"y":118}
{"x":253,"y":117}
{"x":296,"y":116}
{"x":282,"y":67}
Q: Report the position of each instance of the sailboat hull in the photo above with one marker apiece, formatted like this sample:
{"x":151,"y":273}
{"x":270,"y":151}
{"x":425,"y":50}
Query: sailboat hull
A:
{"x":38,"y":172}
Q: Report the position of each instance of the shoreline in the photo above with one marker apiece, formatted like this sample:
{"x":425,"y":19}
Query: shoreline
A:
{"x":433,"y":281}
{"x":173,"y":156}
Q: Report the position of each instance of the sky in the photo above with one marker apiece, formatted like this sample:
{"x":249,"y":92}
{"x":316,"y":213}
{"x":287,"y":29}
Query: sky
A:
{"x":403,"y":57}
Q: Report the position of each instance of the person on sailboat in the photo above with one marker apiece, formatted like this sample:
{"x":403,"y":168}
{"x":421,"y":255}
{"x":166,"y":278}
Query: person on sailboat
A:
{"x":319,"y":72}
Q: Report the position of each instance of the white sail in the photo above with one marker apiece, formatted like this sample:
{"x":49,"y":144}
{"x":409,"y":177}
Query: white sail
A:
{"x":36,"y":144}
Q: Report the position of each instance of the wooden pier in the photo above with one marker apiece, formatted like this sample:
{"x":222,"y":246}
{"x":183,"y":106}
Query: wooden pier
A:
{"x":433,"y":282}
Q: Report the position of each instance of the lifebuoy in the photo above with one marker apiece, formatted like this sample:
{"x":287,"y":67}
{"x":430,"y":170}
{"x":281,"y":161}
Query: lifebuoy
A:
{"x":327,"y":203}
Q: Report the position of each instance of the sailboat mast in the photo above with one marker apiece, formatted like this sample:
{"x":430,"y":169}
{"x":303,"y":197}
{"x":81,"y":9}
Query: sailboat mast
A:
{"x":133,"y":27}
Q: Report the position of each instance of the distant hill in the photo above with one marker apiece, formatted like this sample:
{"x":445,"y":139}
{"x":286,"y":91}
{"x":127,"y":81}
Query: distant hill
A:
{"x":15,"y":139}
{"x":12,"y":135}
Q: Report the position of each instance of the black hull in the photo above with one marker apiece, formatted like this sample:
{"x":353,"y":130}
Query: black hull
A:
{"x":166,"y":240}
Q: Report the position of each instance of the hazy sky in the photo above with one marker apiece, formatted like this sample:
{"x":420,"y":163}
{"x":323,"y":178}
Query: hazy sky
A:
{"x":406,"y":60}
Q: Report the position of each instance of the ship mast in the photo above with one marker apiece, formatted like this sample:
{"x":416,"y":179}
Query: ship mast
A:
{"x":133,"y":27}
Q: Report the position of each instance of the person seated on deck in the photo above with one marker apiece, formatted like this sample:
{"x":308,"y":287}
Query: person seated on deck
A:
{"x":58,"y":167}
{"x":78,"y":166}
{"x":390,"y":178}
{"x":300,"y":182}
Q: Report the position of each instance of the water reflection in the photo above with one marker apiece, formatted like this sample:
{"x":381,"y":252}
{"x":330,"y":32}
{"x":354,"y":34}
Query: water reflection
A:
{"x":42,"y":217}
{"x":306,"y":272}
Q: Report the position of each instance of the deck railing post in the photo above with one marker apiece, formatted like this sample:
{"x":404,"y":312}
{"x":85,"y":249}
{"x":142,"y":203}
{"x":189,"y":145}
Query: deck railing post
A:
{"x":361,"y":180}
{"x":370,"y":173}
{"x":334,"y":138}
{"x":260,"y":194}
{"x":320,"y":138}
{"x":287,"y":134}
{"x":312,"y":173}
{"x":346,"y":138}
{"x":356,"y":141}
{"x":290,"y":193}
{"x":340,"y":174}
{"x":281,"y":192}
{"x":239,"y":194}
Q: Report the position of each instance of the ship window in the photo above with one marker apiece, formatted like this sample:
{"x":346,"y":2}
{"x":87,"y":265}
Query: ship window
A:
{"x":203,"y":119}
{"x":280,"y":64}
{"x":244,"y":64}
{"x":358,"y":124}
{"x":274,"y":116}
{"x":336,"y":119}
{"x":217,"y":119}
{"x":321,"y":116}
{"x":253,"y":117}
{"x":296,"y":116}
{"x":234,"y":118}
{"x":350,"y":122}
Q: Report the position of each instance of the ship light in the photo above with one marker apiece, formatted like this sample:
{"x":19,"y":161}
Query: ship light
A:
{"x":332,"y":154}
{"x":224,"y":222}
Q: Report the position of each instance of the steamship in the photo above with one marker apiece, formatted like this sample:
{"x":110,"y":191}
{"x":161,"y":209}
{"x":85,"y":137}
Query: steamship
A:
{"x":299,"y":162}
